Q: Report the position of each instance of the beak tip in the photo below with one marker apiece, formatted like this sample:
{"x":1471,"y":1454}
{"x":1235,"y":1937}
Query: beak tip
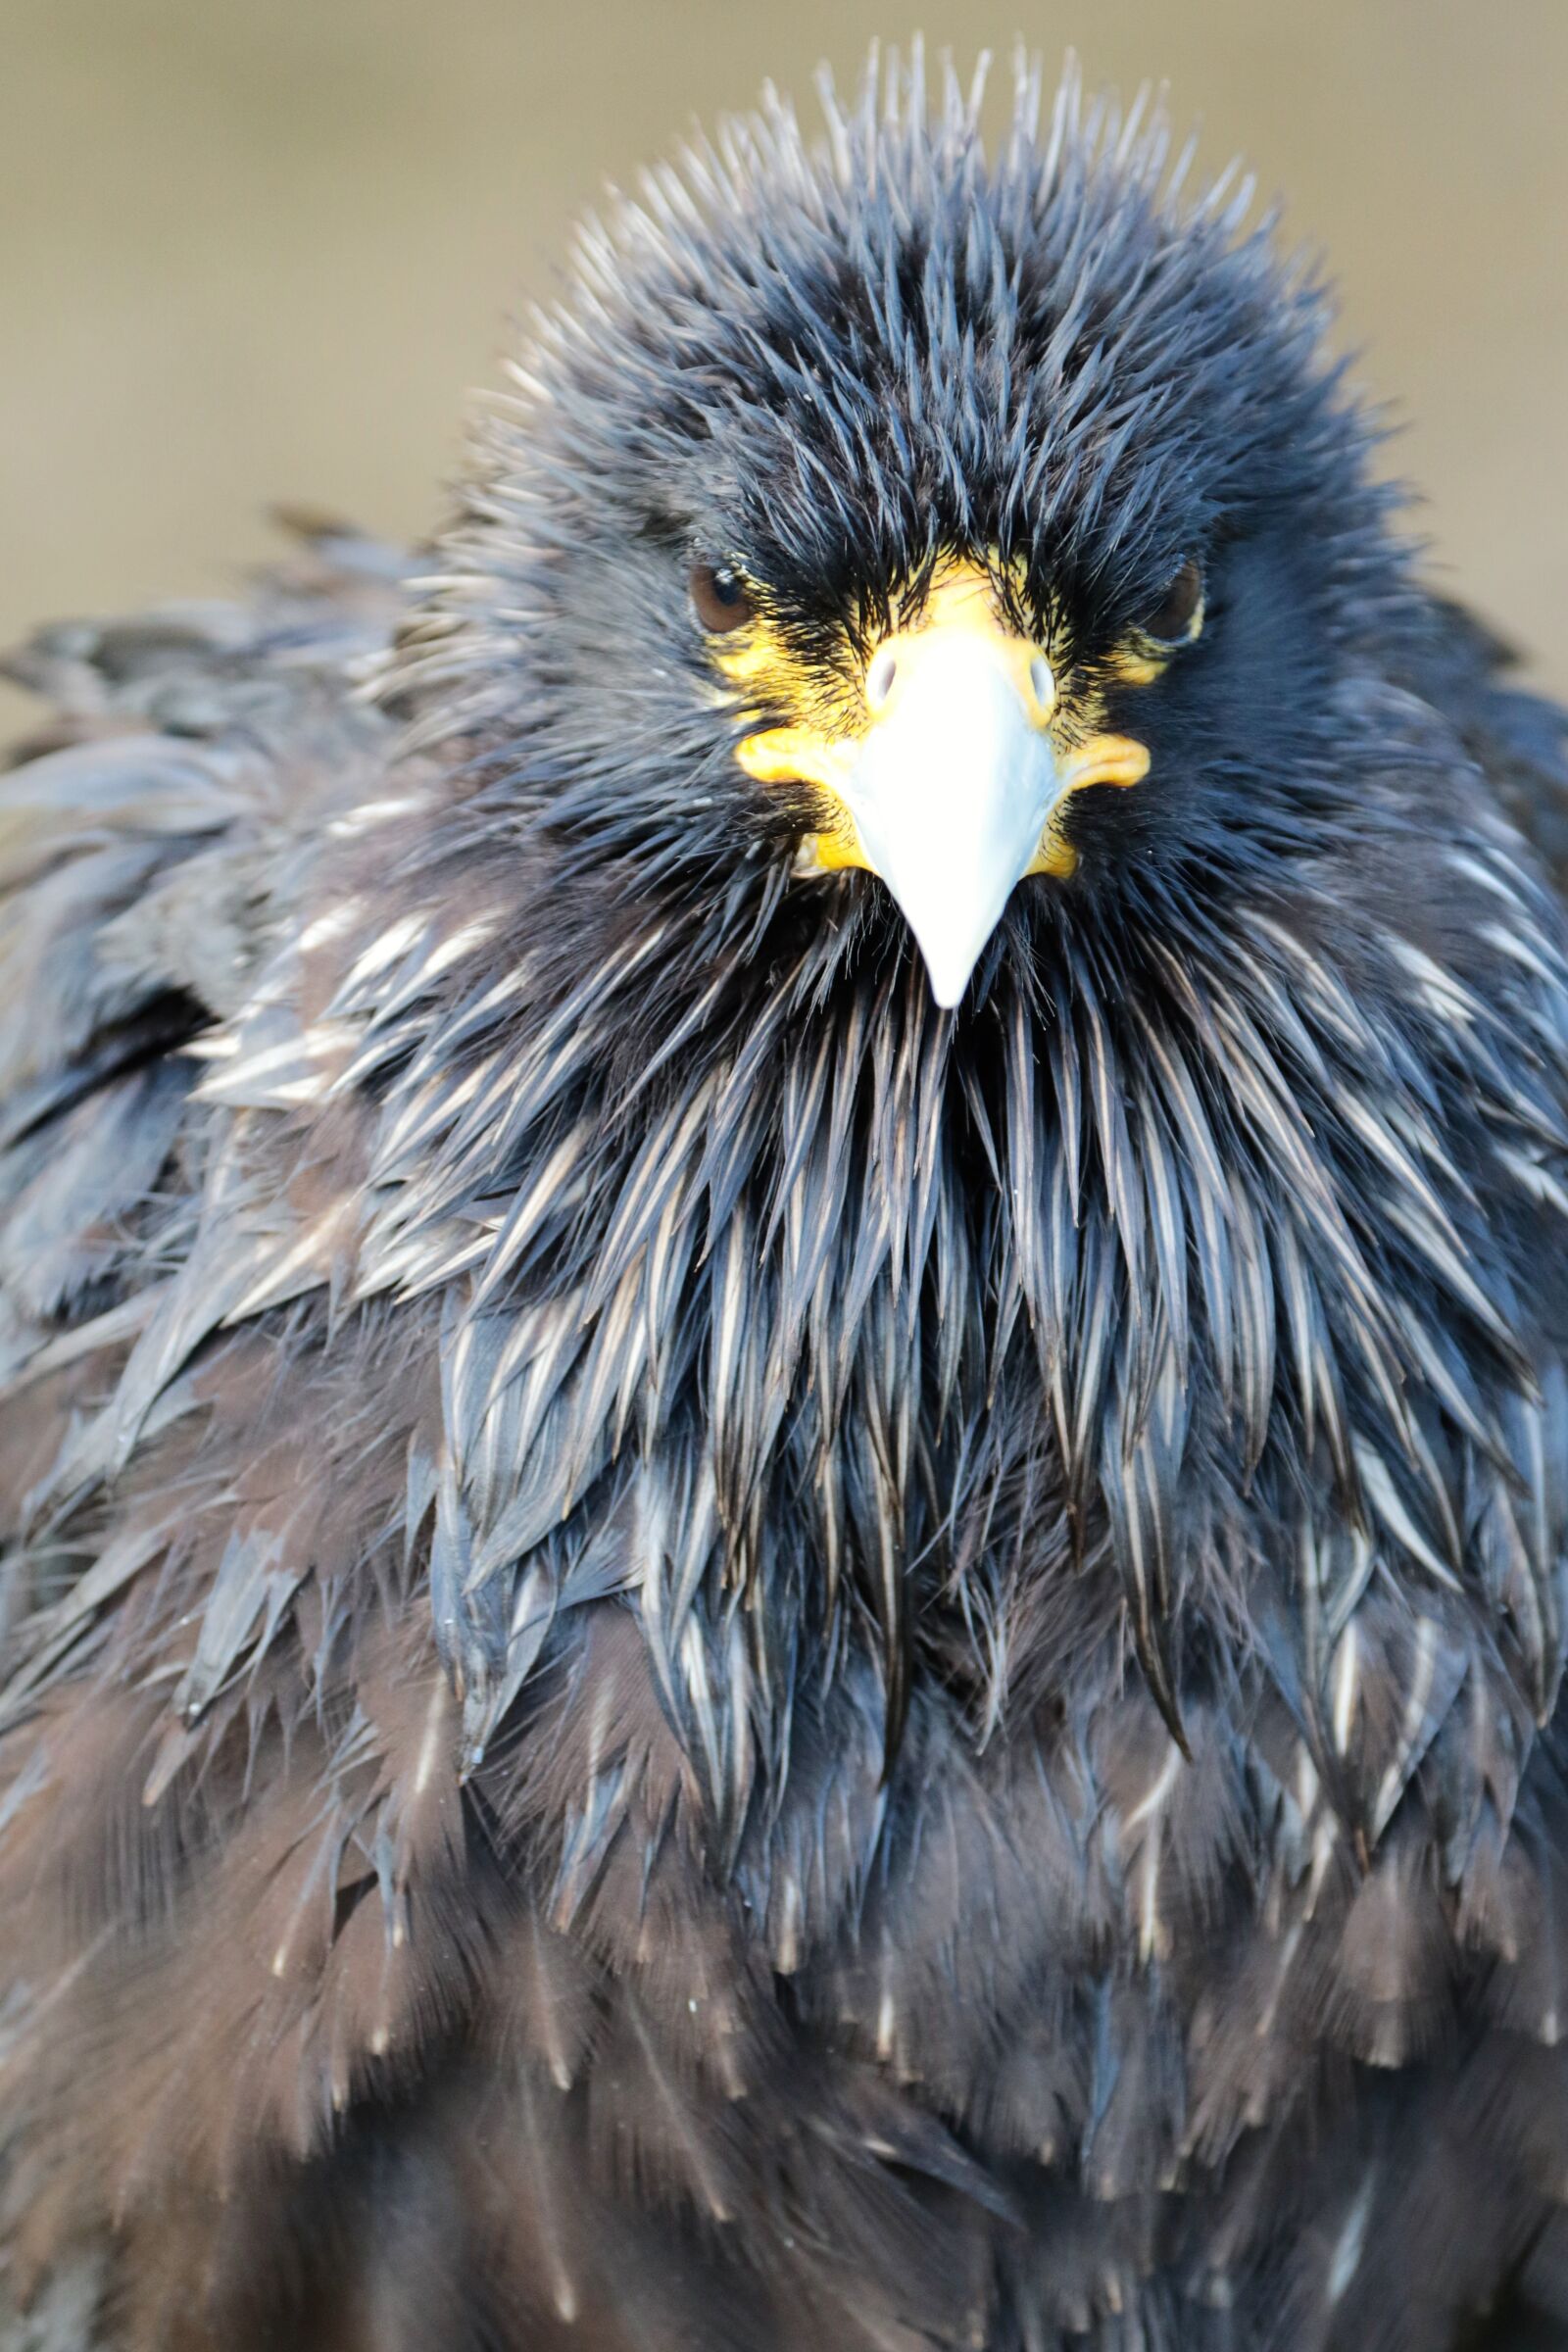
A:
{"x":949,"y":980}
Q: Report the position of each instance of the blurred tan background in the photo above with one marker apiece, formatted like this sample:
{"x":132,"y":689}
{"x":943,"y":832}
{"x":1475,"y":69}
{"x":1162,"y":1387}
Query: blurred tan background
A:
{"x":258,"y":249}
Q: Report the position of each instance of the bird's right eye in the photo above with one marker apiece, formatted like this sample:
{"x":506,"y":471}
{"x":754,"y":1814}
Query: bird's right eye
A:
{"x":1178,"y":616}
{"x":719,"y":598}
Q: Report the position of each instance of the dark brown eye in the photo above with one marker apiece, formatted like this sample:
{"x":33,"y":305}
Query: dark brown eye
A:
{"x":1179,"y":614}
{"x":718,"y":597}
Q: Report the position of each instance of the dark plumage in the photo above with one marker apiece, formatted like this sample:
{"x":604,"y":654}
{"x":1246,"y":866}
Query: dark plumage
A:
{"x":696,"y":1654}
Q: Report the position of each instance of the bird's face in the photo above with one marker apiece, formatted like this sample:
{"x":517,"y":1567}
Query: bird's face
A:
{"x":984,"y":528}
{"x":942,"y":739}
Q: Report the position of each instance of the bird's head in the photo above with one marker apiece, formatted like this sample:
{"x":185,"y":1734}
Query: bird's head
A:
{"x":990,"y":526}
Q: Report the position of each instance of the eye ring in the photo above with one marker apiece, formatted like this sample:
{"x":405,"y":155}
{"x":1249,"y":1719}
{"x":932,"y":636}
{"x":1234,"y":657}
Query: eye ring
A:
{"x":1178,"y":616}
{"x":719,"y":598}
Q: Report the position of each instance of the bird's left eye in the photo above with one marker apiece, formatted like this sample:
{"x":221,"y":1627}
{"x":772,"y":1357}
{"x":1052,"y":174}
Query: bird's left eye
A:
{"x":720,"y":597}
{"x":1178,"y":616}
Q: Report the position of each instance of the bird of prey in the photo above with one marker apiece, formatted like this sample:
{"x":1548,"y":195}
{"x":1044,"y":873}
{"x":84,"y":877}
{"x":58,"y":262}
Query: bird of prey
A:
{"x":784,"y":1333}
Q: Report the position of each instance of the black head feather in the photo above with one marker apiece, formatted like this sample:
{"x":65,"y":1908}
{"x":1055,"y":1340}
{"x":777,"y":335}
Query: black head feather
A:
{"x":833,"y":364}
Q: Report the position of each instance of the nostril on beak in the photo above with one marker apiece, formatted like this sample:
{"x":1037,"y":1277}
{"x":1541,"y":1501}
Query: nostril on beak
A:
{"x":1043,"y":684}
{"x":879,"y":678}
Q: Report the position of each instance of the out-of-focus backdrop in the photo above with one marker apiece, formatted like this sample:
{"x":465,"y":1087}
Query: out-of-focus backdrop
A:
{"x":258,"y":249}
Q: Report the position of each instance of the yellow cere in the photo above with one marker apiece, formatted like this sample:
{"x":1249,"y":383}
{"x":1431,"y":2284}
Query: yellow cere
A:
{"x":833,"y":710}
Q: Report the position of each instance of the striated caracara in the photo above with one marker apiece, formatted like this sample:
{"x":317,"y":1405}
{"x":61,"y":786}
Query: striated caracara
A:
{"x":783,"y":1314}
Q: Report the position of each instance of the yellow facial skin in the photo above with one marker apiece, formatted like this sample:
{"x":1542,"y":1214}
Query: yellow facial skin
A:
{"x":834,"y":713}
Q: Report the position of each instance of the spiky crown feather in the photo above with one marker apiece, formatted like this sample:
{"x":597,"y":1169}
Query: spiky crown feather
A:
{"x":596,"y":1213}
{"x":839,"y":360}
